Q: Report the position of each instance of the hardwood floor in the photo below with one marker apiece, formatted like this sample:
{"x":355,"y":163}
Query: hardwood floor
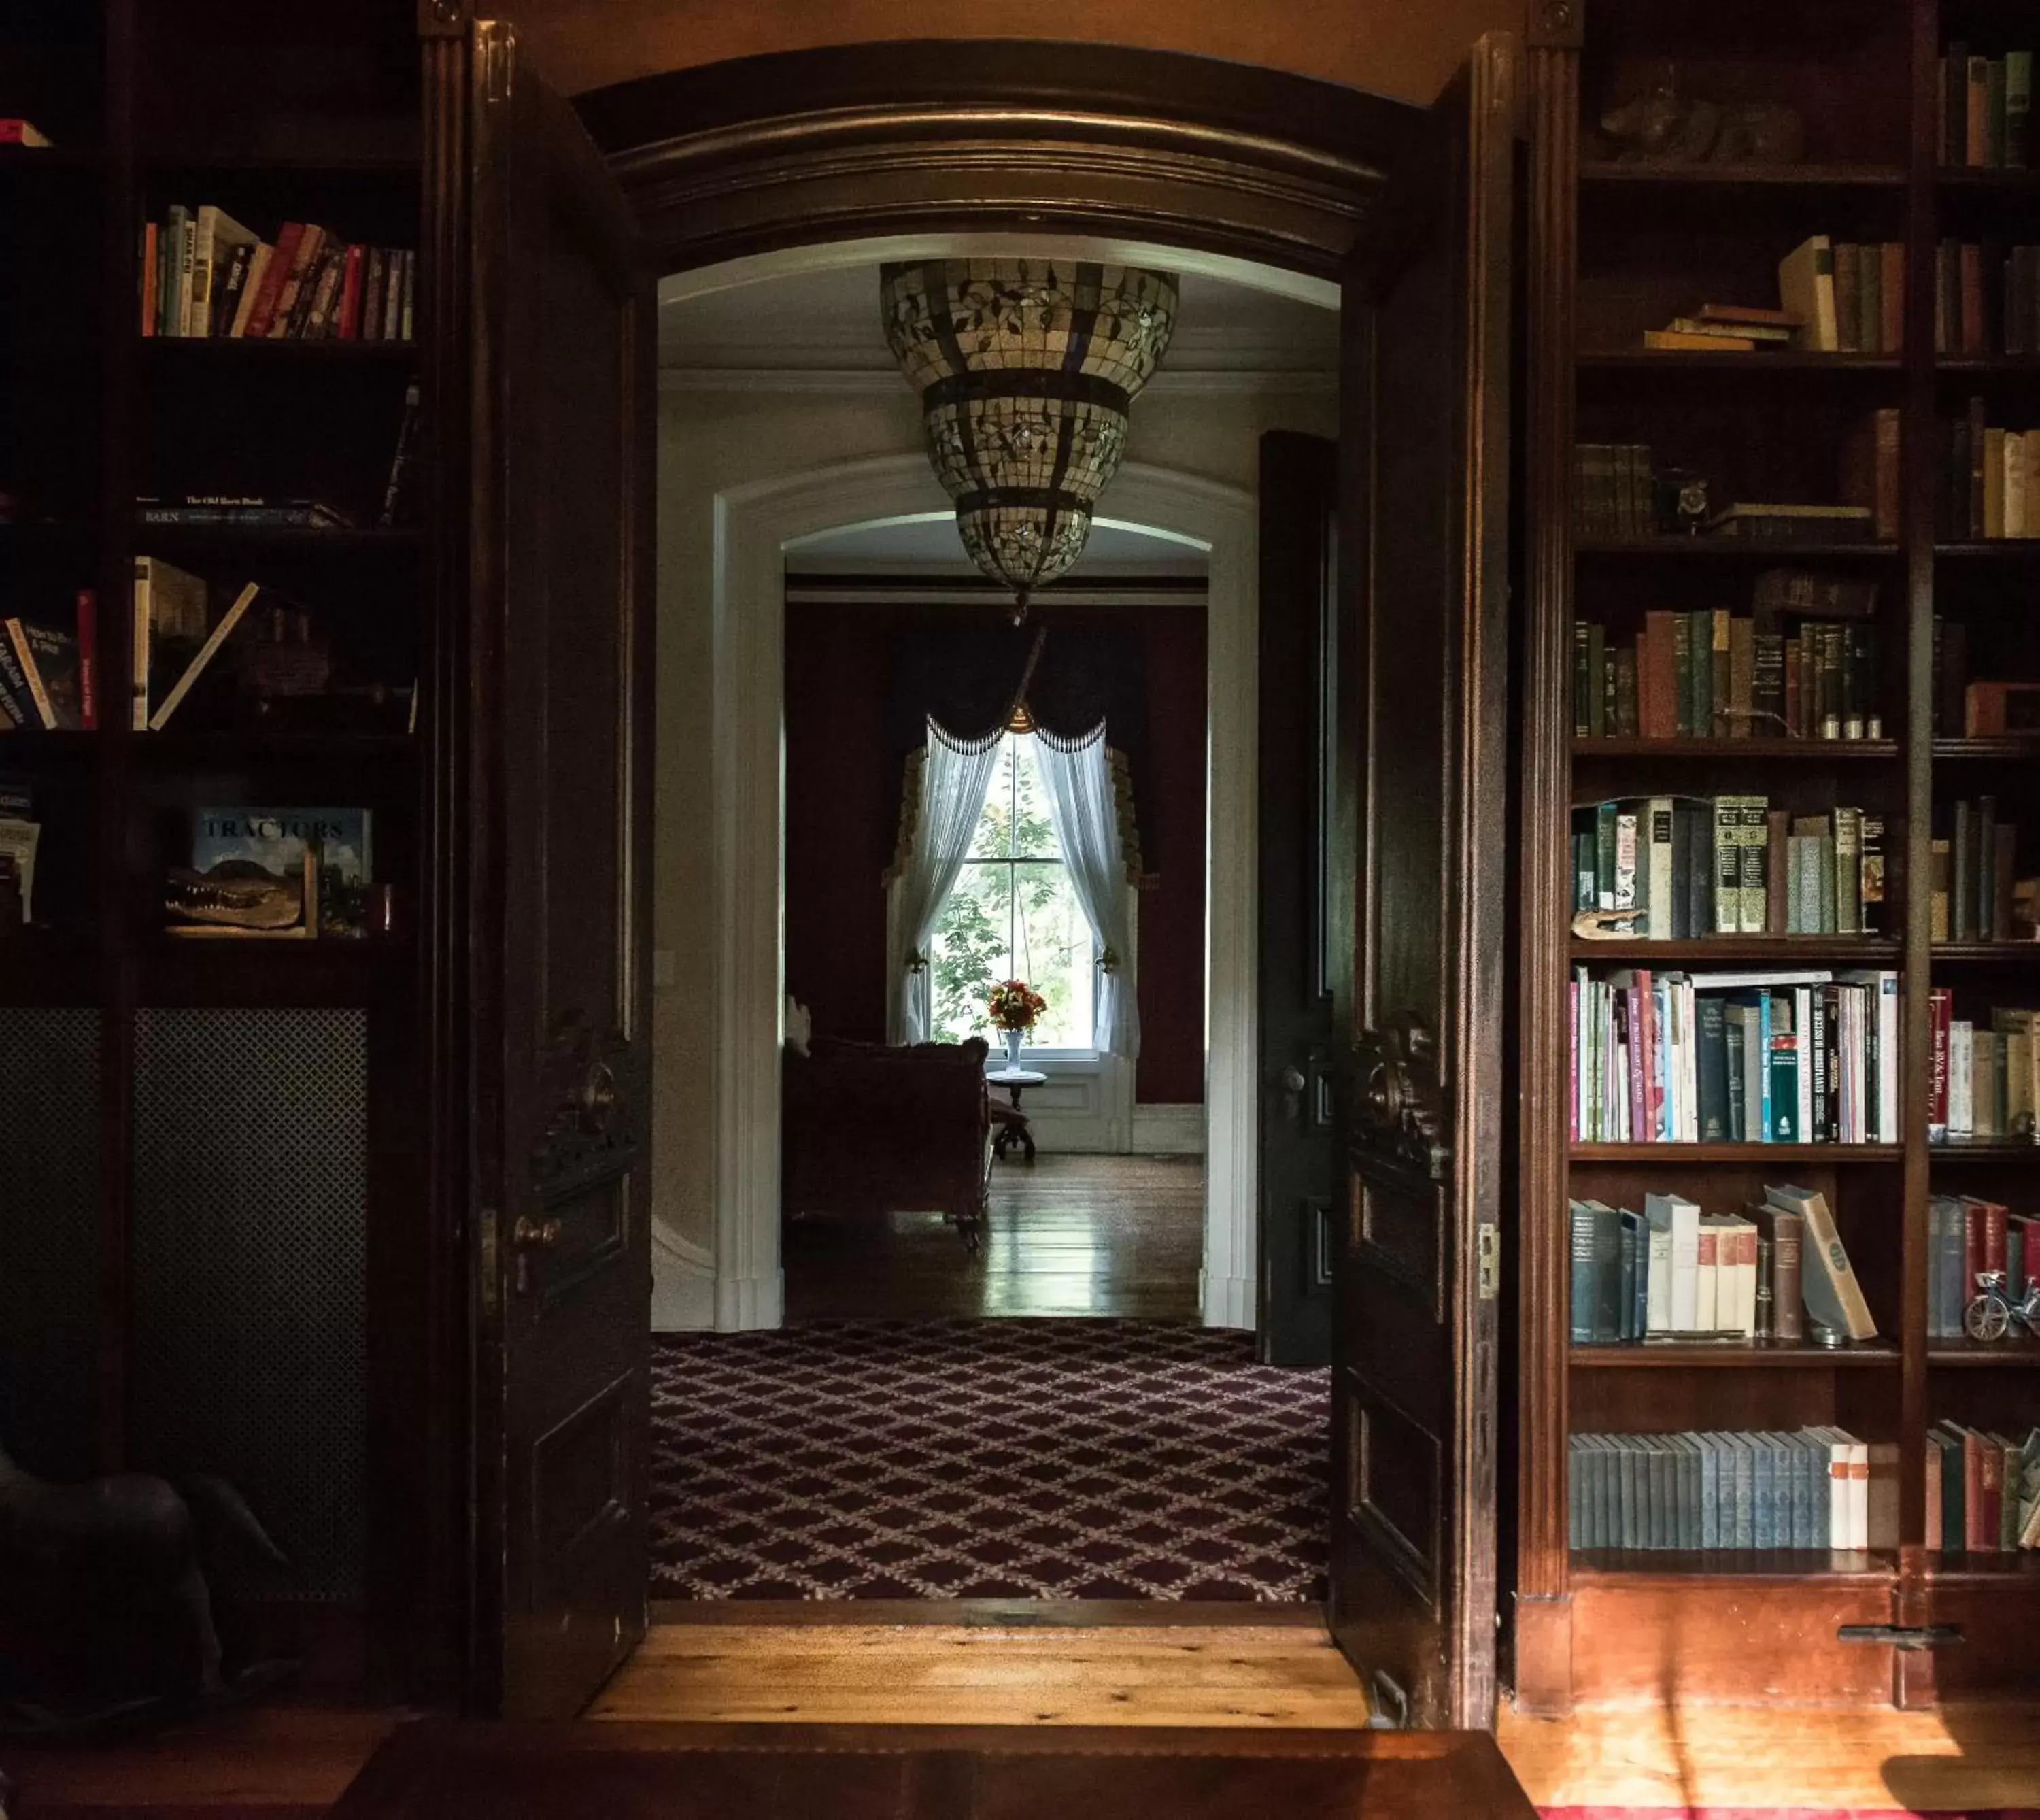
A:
{"x":1119,"y":1235}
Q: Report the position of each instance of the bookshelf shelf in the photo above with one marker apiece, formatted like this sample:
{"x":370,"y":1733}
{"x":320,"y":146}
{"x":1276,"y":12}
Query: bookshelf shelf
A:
{"x":1631,"y":1566}
{"x":1673,"y":1156}
{"x":395,"y":161}
{"x":49,"y":966}
{"x":2013,"y":1573}
{"x":1994,"y":549}
{"x":1982,"y":1149}
{"x":1782,"y":950}
{"x":171,"y":748}
{"x":227,"y":973}
{"x":2017,"y":182}
{"x":1779,"y":176}
{"x":1986,"y":953}
{"x":229,"y":347}
{"x":1711,"y":750}
{"x":1766,"y":550}
{"x":2000,"y":746}
{"x":2027,"y":365}
{"x":1700,"y":1356}
{"x":35,"y":746}
{"x":1630,"y":360}
{"x":1994,"y":1356}
{"x":200,"y":541}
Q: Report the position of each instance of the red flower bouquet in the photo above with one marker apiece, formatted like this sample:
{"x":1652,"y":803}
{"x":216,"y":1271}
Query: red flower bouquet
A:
{"x":1015,"y":1005}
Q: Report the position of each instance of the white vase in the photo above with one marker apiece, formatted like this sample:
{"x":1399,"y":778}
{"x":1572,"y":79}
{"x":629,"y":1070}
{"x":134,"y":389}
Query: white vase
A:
{"x":1014,"y":1040}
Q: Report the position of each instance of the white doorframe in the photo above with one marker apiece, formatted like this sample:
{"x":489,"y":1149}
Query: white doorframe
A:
{"x":755,"y":526}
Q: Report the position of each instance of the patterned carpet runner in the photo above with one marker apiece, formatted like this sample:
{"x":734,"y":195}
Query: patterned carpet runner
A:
{"x":986,"y":1459}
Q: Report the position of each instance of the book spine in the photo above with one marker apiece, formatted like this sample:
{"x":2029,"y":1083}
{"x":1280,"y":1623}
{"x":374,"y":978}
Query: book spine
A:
{"x":1585,"y":1292}
{"x":26,"y":656}
{"x":86,"y":607}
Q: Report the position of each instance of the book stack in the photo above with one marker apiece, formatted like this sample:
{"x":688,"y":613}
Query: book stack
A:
{"x":20,"y":835}
{"x":1986,"y":106}
{"x":1982,"y":1080}
{"x":1725,"y":329}
{"x":1673,"y":1272}
{"x":1965,"y":1236}
{"x":1983,"y":1490}
{"x":204,"y":275}
{"x":1847,"y":299}
{"x":1986,"y":298}
{"x":48,"y":676}
{"x":1691,"y":867}
{"x":1800,"y":1057}
{"x":1612,"y":491}
{"x":14,"y":131}
{"x":1976,"y":894}
{"x":1985,"y":478}
{"x":1778,"y":672}
{"x":1818,"y":1488}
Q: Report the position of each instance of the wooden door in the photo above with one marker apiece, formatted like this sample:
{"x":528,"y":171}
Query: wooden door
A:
{"x":1301,"y":841}
{"x":1423,"y":485}
{"x":560,"y":450}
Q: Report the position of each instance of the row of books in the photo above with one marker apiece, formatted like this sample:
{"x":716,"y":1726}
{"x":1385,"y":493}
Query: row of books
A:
{"x":1722,"y":674}
{"x":1728,"y":328}
{"x":204,"y":274}
{"x":1818,"y":1488}
{"x":1982,"y":1080}
{"x":1983,"y":1490}
{"x":1690,"y":867}
{"x":49,"y":674}
{"x":1800,"y":1057}
{"x":20,"y":834}
{"x":1986,"y":298}
{"x":1965,"y":1236}
{"x":1673,"y":1272}
{"x":1844,"y":297}
{"x":1985,"y":108}
{"x":1613,"y":491}
{"x":1978,"y":895}
{"x":1988,"y":484}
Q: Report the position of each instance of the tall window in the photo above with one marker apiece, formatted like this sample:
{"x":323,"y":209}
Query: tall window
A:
{"x":1014,"y":916}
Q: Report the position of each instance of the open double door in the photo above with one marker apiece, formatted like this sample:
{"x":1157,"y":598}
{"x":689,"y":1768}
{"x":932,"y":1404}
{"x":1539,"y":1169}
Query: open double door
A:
{"x":1384,"y":667}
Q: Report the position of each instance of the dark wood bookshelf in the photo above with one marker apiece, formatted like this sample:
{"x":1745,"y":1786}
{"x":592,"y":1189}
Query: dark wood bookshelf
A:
{"x":1673,"y":1355}
{"x":223,"y":349}
{"x":200,"y":542}
{"x":1617,"y":249}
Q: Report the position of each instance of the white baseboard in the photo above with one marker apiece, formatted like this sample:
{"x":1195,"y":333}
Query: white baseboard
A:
{"x":1169,"y":1130}
{"x":682,"y":1284}
{"x":1226,"y":1301}
{"x":750,"y":1304}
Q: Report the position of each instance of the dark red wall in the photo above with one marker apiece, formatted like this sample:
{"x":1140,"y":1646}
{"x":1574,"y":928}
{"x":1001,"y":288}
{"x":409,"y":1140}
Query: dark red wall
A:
{"x":840,"y":829}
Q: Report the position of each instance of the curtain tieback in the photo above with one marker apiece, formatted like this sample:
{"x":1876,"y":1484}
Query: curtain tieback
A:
{"x":917,"y":962}
{"x":1108,"y":961}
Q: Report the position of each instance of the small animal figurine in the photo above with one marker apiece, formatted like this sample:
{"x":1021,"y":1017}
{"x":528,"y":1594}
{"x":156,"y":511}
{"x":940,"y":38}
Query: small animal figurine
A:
{"x":116,"y":1555}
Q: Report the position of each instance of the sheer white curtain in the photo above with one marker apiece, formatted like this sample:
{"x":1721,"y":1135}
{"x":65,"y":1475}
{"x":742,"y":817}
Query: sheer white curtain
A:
{"x":1084,"y":807}
{"x":953,"y":782}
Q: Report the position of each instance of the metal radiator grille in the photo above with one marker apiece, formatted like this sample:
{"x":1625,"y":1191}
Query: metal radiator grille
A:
{"x":49,"y":1237}
{"x":250,"y":1224}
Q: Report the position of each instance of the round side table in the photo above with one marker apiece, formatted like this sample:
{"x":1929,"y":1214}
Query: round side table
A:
{"x":1016,"y":1081}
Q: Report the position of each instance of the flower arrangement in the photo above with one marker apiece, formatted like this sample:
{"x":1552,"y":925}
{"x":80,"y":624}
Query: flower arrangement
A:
{"x":1015,"y":1005}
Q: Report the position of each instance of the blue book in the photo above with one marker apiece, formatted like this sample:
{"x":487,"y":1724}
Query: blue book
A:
{"x":1711,"y":1465}
{"x":1636,"y":1252}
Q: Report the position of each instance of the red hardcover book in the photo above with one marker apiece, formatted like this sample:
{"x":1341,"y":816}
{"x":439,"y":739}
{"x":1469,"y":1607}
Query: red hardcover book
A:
{"x":1656,"y":683}
{"x":1986,"y":1514}
{"x":1933,"y":1496}
{"x":350,"y":295}
{"x":1975,"y":1537}
{"x":88,"y":660}
{"x":1994,"y":1214}
{"x":1940,"y":1010}
{"x":262,"y":312}
{"x":1974,"y":1219}
{"x":1972,"y":278}
{"x":1892,"y":292}
{"x":150,"y":277}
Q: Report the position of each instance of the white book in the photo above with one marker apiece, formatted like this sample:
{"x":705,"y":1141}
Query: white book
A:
{"x":2032,"y":441}
{"x":218,"y":234}
{"x":1745,"y":1277}
{"x":1962,"y":1078}
{"x":1659,"y":877}
{"x":1881,"y":1029}
{"x":1840,"y":1525}
{"x":1680,"y":1219}
{"x":1625,"y":861}
{"x":1657,"y":1308}
{"x":169,"y":603}
{"x":1803,"y":1030}
{"x":1827,"y":1283}
{"x":1718,"y":982}
{"x":1859,"y":1497}
{"x":18,"y":841}
{"x":258,"y":262}
{"x":1807,"y":287}
{"x":1706,"y":1278}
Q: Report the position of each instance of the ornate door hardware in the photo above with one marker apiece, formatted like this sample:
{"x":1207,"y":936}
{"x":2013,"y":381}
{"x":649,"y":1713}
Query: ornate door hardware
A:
{"x":1399,"y":1110}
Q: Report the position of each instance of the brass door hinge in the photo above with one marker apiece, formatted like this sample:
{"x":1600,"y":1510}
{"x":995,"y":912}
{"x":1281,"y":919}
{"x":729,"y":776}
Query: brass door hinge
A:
{"x":1488,"y":1252}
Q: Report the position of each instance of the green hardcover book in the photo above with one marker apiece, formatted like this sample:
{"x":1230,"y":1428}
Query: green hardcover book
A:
{"x":1752,"y":848}
{"x":1582,"y":675}
{"x":1784,"y":1073}
{"x":1720,"y":671}
{"x":1605,"y":815}
{"x":2017,"y":108}
{"x":1596,"y":688}
{"x":1623,"y":666}
{"x":1994,"y":94}
{"x":1728,"y":864}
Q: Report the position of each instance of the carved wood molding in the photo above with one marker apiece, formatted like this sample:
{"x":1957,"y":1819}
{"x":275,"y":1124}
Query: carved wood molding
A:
{"x":859,"y":140}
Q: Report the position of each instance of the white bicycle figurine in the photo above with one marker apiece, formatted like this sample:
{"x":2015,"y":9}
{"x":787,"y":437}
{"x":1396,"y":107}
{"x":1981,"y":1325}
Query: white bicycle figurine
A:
{"x":1990,"y":1316}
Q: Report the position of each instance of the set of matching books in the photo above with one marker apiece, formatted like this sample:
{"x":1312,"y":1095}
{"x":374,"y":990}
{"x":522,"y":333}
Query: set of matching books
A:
{"x":1986,"y":298}
{"x":1989,"y":481}
{"x":1982,"y":1080}
{"x":1733,"y":864}
{"x":1725,"y":675}
{"x":1965,"y":1236}
{"x":1673,"y":1273}
{"x":1725,"y":329}
{"x":1613,"y":491}
{"x":204,"y":274}
{"x":1983,"y":1490}
{"x":1819,"y":1488}
{"x":1986,"y":106}
{"x":49,"y":676}
{"x":1978,"y":895}
{"x":20,"y":836}
{"x":1847,"y":299}
{"x":1802,"y":1057}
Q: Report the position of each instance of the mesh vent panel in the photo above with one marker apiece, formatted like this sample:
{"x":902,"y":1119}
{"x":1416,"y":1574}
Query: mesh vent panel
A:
{"x":250,"y":1224}
{"x":49,"y":1237}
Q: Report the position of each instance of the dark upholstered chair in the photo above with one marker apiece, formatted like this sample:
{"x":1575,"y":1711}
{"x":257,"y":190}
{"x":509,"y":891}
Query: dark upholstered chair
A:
{"x":866,"y":1130}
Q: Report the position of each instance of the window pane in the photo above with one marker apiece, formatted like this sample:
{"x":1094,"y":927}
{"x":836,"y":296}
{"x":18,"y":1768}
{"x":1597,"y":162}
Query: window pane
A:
{"x":994,"y":838}
{"x":1034,"y":833}
{"x":970,"y":953}
{"x":1055,"y":957}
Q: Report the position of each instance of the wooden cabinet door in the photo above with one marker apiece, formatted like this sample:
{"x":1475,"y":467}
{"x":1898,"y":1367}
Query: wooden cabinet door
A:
{"x":1303,"y":843}
{"x":1424,"y":488}
{"x":559,"y":455}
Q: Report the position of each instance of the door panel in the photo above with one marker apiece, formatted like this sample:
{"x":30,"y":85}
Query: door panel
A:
{"x":1424,"y":468}
{"x":1301,"y":1064}
{"x":559,"y":442}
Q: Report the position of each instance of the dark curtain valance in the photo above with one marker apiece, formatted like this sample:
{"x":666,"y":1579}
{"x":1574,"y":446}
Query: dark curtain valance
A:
{"x":965,"y":679}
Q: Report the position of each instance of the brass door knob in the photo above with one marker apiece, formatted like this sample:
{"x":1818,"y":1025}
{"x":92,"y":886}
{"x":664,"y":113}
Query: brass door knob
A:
{"x":530,"y":1235}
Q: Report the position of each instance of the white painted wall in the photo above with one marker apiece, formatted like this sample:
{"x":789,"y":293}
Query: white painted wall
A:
{"x":710,"y":440}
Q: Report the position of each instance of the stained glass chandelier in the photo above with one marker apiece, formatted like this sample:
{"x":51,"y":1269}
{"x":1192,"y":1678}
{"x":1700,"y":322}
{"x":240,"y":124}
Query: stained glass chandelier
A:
{"x":1027,"y":369}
